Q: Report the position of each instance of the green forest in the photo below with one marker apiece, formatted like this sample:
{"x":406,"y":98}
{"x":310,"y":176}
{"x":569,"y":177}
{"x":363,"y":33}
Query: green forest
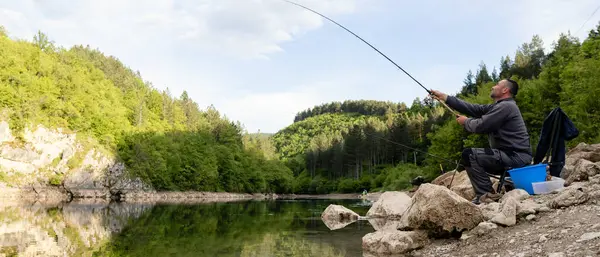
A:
{"x":173,"y":143}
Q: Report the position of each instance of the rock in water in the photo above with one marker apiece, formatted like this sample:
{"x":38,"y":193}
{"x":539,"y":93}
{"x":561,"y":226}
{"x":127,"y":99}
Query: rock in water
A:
{"x":440,"y":210}
{"x":335,"y":212}
{"x":390,"y":205}
{"x":394,"y":242}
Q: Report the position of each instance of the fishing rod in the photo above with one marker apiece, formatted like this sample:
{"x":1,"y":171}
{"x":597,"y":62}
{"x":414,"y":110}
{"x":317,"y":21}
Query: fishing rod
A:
{"x":428,"y":91}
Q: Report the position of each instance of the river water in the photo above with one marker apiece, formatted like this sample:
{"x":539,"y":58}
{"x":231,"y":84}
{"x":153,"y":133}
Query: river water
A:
{"x":244,"y":229}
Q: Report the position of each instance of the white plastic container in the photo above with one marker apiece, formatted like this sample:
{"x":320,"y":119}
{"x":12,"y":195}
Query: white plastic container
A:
{"x":547,"y":187}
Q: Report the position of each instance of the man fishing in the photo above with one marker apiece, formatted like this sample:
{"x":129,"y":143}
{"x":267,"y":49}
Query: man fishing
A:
{"x":507,"y":136}
{"x":502,"y":121}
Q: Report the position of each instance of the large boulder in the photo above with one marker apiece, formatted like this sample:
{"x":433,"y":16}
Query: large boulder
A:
{"x":387,"y":242}
{"x":390,"y":205}
{"x":441,"y":211}
{"x":458,"y":182}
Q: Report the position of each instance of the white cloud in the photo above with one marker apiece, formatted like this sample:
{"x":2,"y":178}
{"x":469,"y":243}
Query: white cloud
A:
{"x":248,"y":28}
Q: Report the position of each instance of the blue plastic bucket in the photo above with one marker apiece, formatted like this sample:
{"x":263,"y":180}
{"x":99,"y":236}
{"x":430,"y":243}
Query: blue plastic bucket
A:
{"x":523,"y":177}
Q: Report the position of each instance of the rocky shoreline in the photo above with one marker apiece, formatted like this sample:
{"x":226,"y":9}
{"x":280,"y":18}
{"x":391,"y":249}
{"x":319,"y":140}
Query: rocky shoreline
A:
{"x":51,"y":194}
{"x":440,"y":220}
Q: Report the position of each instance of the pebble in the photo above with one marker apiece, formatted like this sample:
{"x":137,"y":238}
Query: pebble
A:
{"x":530,"y":217}
{"x":564,"y":231}
{"x":543,"y":238}
{"x":512,"y":241}
{"x":588,"y":236}
{"x":558,"y":254}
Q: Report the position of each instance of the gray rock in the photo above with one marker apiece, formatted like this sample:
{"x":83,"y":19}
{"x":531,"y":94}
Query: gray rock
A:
{"x":490,"y":210}
{"x":588,"y":236}
{"x":508,"y":215}
{"x":390,"y":205}
{"x":458,"y":182}
{"x":483,"y":228}
{"x":438,"y":209}
{"x":526,"y":207}
{"x":335,"y":212}
{"x":570,"y":196}
{"x":517,"y":194}
{"x":394,"y":242}
{"x":384,"y":224}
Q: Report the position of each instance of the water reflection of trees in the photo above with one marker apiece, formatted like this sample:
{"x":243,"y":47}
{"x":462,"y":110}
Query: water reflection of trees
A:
{"x":253,"y":228}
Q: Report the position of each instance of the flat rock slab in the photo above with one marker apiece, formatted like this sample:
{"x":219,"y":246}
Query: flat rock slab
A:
{"x":394,"y":242}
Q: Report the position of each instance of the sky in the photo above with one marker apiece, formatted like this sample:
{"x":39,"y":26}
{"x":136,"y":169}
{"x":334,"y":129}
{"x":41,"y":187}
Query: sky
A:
{"x":260,"y":62}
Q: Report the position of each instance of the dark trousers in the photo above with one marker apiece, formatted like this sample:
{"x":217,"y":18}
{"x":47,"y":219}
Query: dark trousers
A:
{"x":479,"y":161}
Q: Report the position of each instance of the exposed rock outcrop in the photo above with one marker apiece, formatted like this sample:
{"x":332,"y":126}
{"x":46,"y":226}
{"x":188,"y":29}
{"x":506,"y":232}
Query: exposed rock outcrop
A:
{"x":47,"y":163}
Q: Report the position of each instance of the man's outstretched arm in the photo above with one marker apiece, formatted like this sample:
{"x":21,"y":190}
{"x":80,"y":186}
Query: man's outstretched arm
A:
{"x":473,"y":110}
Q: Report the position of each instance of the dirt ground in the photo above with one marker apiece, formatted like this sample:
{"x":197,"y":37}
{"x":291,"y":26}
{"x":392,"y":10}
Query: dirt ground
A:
{"x":571,"y":231}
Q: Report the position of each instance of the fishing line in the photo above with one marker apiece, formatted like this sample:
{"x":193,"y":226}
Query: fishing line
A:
{"x":374,"y":48}
{"x":398,"y":66}
{"x":432,"y":155}
{"x":411,"y":148}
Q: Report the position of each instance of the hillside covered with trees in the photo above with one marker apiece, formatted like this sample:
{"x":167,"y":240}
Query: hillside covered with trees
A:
{"x":174,"y":144}
{"x":356,"y":145}
{"x":170,"y":142}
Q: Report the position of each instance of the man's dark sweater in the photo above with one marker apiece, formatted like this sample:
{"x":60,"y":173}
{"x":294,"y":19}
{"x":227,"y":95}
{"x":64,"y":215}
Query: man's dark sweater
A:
{"x":502,"y":121}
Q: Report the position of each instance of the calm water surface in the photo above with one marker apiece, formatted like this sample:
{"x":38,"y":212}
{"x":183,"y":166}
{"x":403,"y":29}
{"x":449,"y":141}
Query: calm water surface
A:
{"x":249,"y":228}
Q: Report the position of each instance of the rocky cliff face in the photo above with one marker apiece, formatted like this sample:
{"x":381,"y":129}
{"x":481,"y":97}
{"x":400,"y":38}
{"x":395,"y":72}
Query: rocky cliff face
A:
{"x":54,"y":164}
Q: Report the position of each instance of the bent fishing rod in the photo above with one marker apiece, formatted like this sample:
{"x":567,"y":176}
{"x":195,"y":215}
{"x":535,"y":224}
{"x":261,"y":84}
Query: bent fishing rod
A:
{"x":374,"y":48}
